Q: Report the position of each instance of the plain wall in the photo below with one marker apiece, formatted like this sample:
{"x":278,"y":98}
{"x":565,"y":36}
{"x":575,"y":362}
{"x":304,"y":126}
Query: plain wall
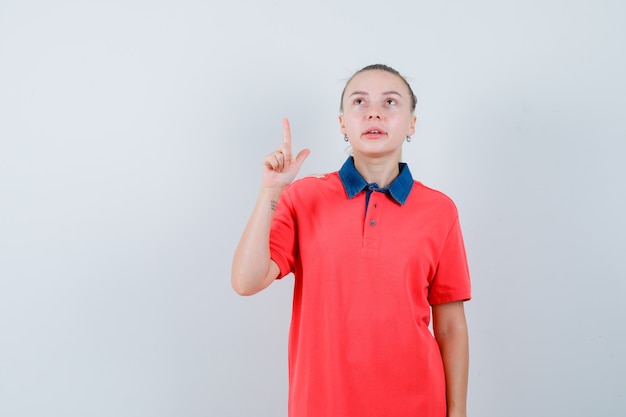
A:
{"x":131,"y":135}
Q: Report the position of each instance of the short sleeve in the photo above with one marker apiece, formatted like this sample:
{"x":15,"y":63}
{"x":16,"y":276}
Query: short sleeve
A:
{"x":451,"y":281}
{"x":283,"y":242}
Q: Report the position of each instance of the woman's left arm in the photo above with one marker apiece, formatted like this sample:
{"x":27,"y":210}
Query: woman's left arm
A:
{"x":450,"y":328}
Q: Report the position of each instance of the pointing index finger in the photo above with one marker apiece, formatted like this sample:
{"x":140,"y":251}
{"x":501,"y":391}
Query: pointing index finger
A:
{"x":286,"y":140}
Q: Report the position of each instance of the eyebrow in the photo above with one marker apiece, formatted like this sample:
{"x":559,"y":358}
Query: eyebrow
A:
{"x":365,"y":93}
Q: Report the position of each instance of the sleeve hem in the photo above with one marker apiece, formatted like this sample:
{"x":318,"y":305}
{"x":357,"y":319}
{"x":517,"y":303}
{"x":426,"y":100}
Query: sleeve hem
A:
{"x":461,"y":296}
{"x":282,"y":265}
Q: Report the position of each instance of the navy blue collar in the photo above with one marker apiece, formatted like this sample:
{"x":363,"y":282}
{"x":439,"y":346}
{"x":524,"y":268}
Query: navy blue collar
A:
{"x":353,"y":182}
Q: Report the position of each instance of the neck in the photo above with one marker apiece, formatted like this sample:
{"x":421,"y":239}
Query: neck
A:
{"x":382,"y":171}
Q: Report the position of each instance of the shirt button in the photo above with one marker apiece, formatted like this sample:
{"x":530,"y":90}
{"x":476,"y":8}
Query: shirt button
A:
{"x":372,"y":222}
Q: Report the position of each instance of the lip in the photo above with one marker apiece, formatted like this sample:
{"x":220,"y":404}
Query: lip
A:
{"x":374,"y":132}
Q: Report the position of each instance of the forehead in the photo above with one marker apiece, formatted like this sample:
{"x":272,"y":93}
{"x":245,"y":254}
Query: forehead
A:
{"x":376,"y":81}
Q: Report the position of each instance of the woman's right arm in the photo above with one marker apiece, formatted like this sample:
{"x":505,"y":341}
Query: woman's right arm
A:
{"x":252,"y":268}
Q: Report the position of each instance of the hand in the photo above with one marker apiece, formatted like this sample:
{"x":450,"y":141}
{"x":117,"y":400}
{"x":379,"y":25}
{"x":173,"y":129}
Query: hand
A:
{"x":279,"y":169}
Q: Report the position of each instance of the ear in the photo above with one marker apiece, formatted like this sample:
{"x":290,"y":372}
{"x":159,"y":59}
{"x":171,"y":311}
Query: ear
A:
{"x":411,"y":130}
{"x":343,"y":127}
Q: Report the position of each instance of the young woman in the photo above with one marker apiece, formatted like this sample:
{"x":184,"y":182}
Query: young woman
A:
{"x":373,"y":253}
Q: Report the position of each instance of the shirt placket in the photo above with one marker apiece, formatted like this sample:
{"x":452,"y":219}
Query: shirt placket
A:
{"x":371,"y":226}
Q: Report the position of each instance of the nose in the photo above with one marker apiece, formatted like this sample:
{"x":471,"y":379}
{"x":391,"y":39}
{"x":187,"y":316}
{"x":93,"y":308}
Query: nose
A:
{"x":374,"y":113}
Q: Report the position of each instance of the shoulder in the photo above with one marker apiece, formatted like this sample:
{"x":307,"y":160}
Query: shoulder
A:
{"x":313,"y":182}
{"x":311,"y":187}
{"x":423,"y":195}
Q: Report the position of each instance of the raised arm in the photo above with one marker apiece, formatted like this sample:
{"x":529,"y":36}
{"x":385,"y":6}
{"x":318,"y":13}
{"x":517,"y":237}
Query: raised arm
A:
{"x":252,"y":269}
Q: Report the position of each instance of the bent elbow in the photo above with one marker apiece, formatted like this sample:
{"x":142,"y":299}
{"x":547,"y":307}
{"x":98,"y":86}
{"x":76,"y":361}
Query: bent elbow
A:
{"x":241,"y":290}
{"x":239,"y":286}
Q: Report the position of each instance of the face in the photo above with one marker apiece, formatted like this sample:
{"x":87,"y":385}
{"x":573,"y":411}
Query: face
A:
{"x":377,"y":115}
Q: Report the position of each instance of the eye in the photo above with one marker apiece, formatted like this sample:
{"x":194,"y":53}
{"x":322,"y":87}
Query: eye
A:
{"x":390,"y":102}
{"x":358,"y":101}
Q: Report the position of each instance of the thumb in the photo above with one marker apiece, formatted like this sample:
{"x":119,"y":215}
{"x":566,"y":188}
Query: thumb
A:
{"x":302,"y":155}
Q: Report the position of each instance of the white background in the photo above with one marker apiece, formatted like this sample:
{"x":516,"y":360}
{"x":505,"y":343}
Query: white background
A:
{"x":131,"y":135}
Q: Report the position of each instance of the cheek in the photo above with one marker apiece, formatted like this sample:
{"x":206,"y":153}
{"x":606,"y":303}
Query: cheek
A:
{"x":352,"y":127}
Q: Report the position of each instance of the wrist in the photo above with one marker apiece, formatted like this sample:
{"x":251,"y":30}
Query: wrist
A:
{"x":272,"y":193}
{"x":269,"y":196}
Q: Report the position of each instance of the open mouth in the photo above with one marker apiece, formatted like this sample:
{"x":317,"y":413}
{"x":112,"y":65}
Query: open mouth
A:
{"x":374,"y":132}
